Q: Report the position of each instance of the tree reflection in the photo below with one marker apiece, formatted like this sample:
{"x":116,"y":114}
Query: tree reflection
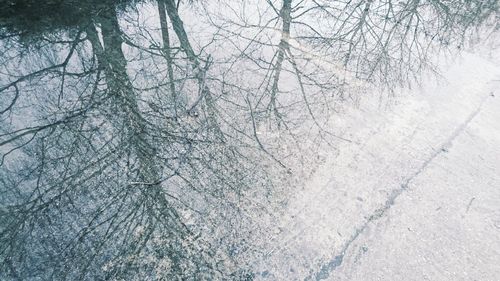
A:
{"x":128,"y":152}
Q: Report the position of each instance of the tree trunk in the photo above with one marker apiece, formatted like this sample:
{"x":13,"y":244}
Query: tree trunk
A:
{"x":166,"y":51}
{"x":286,"y":17}
{"x":178,"y":26}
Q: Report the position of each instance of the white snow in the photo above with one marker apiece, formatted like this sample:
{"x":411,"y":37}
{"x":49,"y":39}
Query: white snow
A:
{"x":394,"y":203}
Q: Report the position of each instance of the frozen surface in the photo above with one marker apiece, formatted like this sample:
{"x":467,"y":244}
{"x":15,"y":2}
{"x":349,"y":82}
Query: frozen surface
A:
{"x":414,"y":196}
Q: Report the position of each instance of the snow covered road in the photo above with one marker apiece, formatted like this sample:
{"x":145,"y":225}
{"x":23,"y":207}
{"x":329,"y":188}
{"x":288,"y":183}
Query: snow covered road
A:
{"x":444,"y":222}
{"x":415,"y":196}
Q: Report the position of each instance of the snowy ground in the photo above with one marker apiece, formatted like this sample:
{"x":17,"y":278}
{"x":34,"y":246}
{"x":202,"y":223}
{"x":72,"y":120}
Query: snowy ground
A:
{"x":415,"y":196}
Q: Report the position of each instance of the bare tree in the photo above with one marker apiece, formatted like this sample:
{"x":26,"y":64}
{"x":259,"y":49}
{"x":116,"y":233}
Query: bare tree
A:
{"x":99,"y":197}
{"x":135,"y":151}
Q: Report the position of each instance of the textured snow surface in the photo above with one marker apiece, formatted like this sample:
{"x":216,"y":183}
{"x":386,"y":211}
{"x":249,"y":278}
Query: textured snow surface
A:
{"x":414,"y":196}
